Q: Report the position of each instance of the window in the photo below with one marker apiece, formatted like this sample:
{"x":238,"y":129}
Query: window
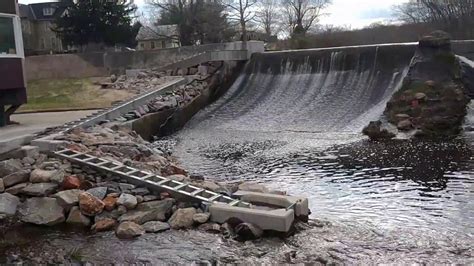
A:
{"x":152,"y":45}
{"x":7,"y":36}
{"x":48,"y":11}
{"x":42,"y":44}
{"x":163,"y":44}
{"x":142,"y":45}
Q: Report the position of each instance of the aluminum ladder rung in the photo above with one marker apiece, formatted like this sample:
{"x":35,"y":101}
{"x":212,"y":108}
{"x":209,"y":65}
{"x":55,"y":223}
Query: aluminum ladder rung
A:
{"x":213,"y":198}
{"x":197,"y":191}
{"x":234,"y":203}
{"x":181,"y":186}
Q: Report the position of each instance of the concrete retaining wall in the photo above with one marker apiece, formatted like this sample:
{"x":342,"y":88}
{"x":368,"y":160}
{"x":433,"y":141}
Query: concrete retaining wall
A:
{"x":104,"y":64}
{"x":154,"y":124}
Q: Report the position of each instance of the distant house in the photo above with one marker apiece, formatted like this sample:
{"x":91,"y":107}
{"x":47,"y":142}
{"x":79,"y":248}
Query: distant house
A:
{"x":158,"y":37}
{"x":37,"y":21}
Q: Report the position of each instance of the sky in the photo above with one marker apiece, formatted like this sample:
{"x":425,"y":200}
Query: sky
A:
{"x":353,"y":13}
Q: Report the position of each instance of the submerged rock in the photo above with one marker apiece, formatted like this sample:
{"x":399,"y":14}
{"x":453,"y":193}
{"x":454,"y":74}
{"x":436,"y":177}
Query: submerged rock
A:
{"x":8,"y":205}
{"x":375,"y":131}
{"x":41,"y":211}
{"x":128,"y":230}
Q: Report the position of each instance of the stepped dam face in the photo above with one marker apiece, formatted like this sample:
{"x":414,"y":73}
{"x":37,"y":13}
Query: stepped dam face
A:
{"x":292,"y":120}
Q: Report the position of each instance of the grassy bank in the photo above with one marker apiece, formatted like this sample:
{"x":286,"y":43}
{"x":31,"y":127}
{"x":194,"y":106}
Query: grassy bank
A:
{"x":44,"y":95}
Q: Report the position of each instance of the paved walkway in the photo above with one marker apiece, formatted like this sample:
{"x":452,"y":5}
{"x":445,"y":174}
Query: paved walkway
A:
{"x":13,"y":136}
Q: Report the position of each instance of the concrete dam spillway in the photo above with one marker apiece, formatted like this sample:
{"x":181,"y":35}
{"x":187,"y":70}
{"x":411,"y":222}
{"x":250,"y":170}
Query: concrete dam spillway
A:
{"x":313,"y":90}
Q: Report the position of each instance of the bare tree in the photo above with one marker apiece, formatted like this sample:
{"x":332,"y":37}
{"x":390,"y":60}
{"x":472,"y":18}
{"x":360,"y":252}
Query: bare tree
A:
{"x":268,"y":17}
{"x":303,"y":14}
{"x":242,"y":11}
{"x":445,"y":11}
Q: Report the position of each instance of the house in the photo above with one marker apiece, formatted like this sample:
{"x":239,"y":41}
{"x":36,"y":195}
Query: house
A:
{"x":158,"y":37}
{"x":37,"y":22}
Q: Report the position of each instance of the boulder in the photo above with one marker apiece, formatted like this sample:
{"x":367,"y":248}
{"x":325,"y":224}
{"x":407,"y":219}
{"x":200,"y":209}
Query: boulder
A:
{"x":179,"y":178}
{"x":149,"y":211}
{"x":103,"y":225}
{"x":201,"y":218}
{"x":9,"y":167}
{"x":128,"y":201}
{"x":77,"y":218}
{"x":115,"y":214}
{"x":110,"y":202}
{"x":98,"y":192}
{"x":30,"y":151}
{"x":142,"y":191}
{"x":128,"y":230}
{"x":436,"y":39}
{"x":2,"y":186}
{"x":375,"y":131}
{"x":125,"y":187}
{"x":44,"y":176}
{"x":90,"y":205}
{"x":16,"y":178}
{"x":173,"y":169}
{"x":39,"y":189}
{"x":16,"y":189}
{"x":405,"y":125}
{"x":155,"y":227}
{"x":68,"y":198}
{"x":210,"y":186}
{"x":8,"y":205}
{"x":71,"y":182}
{"x":182,"y":218}
{"x":248,"y":231}
{"x":41,"y":211}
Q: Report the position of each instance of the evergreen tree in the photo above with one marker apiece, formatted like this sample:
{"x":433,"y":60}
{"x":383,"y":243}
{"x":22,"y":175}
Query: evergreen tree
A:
{"x":97,"y":21}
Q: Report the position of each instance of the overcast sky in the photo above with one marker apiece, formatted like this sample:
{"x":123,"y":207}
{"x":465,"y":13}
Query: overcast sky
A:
{"x":354,"y":13}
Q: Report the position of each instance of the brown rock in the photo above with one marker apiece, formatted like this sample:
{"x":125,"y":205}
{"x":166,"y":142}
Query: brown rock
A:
{"x":71,"y":182}
{"x":110,"y":203}
{"x":90,"y":205}
{"x":182,"y":218}
{"x":16,"y":178}
{"x":105,"y":224}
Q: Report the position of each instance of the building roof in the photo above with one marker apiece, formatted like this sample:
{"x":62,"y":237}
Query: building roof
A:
{"x":36,"y":11}
{"x":147,"y":33}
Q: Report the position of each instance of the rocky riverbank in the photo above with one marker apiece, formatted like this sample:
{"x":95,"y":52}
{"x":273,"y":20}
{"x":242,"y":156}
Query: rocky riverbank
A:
{"x":42,"y":190}
{"x":433,"y":100}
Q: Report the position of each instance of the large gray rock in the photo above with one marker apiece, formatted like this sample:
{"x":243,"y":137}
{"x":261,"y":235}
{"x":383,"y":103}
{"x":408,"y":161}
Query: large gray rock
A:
{"x":16,"y":189}
{"x":68,"y":198}
{"x":41,"y":211}
{"x":128,"y":230}
{"x":115,"y":214}
{"x":39,"y":189}
{"x":16,"y":178}
{"x":10,"y":166}
{"x":8,"y":205}
{"x":182,"y":218}
{"x":98,"y":192}
{"x":44,"y":176}
{"x":155,"y":227}
{"x":77,"y":218}
{"x":128,"y":201}
{"x":149,"y":211}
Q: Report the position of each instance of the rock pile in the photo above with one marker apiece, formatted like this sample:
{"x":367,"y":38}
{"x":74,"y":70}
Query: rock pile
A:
{"x":432,"y":101}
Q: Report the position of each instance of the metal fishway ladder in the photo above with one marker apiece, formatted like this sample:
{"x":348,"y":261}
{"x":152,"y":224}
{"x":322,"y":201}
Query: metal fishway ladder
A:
{"x":148,"y":179}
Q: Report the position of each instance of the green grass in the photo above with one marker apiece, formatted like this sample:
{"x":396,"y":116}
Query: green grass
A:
{"x":64,"y":94}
